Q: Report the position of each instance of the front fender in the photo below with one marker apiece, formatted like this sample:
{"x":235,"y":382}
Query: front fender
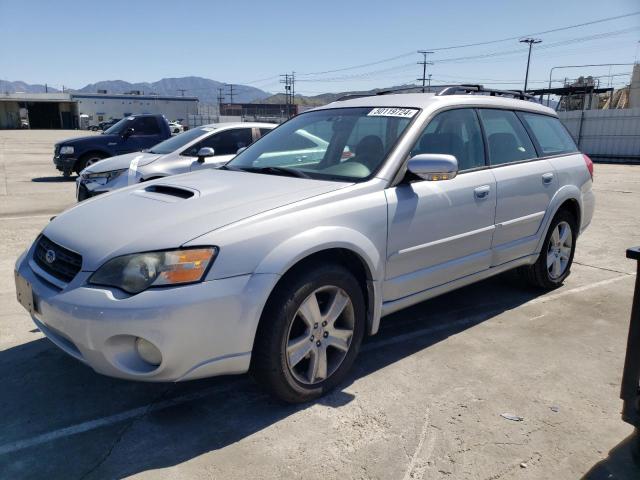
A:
{"x":318,"y":239}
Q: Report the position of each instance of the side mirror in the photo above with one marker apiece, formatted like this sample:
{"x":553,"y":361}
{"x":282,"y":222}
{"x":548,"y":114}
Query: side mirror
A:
{"x":240,"y":150}
{"x":128,"y":132}
{"x":205,"y":152}
{"x":433,"y":166}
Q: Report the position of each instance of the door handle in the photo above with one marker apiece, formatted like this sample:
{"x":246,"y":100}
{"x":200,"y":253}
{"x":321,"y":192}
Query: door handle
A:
{"x":547,"y":178}
{"x":482,"y":192}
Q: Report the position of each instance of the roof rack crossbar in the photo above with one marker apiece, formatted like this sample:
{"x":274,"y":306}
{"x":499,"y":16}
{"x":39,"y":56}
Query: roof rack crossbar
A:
{"x":471,"y":89}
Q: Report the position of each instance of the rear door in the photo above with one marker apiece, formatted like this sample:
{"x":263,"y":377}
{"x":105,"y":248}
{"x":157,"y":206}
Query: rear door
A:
{"x":441,"y":231}
{"x":525,"y":184}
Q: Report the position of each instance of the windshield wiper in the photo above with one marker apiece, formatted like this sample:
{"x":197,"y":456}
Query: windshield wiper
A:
{"x":290,"y":172}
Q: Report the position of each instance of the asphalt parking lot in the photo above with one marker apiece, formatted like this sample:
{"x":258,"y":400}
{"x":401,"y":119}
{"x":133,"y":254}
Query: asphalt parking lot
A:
{"x":424,"y":401}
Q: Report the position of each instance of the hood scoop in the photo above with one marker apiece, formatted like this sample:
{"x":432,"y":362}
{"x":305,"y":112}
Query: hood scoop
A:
{"x":167,"y":193}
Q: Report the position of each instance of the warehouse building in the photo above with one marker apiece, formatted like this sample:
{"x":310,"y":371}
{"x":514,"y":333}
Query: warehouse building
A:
{"x":79,"y":110}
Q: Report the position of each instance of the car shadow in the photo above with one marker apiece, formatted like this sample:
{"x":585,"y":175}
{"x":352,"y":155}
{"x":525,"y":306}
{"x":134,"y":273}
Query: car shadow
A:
{"x":622,"y":462}
{"x":56,"y":179}
{"x":54,"y":408}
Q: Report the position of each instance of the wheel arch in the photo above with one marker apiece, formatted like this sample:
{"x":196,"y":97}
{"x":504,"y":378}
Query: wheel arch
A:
{"x":567,"y":197}
{"x":339,"y":245}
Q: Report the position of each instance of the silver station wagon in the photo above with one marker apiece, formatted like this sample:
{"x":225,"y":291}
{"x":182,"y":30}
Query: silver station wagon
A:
{"x":280,"y":265}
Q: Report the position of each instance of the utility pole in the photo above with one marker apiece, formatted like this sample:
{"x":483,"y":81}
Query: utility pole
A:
{"x":181,"y":90}
{"x":230,"y":85}
{"x":220,"y":95}
{"x":530,"y":41}
{"x":287,"y":80}
{"x":429,"y":83}
{"x":424,"y":64}
{"x":293,"y":91}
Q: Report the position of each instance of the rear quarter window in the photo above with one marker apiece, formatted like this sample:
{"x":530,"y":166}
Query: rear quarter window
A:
{"x":549,"y":133}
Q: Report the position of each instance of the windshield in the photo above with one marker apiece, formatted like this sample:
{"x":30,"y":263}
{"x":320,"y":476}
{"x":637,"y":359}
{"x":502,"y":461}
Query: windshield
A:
{"x":120,"y":126}
{"x":345,"y":144}
{"x":174,"y":143}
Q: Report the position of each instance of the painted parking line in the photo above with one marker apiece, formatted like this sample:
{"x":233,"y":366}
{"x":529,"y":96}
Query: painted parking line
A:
{"x":370,"y":346}
{"x":26,"y":217}
{"x":589,"y":286}
{"x":113,"y":419}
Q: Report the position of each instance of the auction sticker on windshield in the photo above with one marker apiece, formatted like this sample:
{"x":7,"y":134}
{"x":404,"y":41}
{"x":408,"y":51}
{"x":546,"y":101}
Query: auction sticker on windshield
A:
{"x":392,"y":112}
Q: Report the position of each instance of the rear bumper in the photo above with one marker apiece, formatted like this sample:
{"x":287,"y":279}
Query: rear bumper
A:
{"x":201,"y":330}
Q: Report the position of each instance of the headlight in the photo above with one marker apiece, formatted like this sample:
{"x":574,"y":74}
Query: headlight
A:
{"x":139,"y":271}
{"x":108,"y":176}
{"x":66,"y":150}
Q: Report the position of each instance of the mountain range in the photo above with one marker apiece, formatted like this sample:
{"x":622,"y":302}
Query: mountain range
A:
{"x":204,"y":88}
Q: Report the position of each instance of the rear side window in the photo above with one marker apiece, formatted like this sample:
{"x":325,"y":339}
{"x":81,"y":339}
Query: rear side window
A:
{"x":506,"y":136}
{"x":552,"y":137}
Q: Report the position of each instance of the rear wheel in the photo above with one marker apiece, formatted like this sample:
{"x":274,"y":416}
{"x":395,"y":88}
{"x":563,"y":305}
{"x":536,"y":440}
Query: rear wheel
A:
{"x":554,"y":263}
{"x":309,"y":334}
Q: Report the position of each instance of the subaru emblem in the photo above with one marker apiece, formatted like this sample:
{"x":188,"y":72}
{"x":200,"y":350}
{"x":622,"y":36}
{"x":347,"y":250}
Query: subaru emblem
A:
{"x":50,"y":256}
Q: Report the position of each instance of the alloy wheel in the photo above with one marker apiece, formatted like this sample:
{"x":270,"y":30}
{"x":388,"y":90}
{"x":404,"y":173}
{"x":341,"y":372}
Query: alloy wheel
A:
{"x":559,"y":250}
{"x":320,"y":335}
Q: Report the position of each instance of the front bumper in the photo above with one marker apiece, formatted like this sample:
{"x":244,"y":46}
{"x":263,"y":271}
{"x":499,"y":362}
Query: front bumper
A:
{"x":202,"y":330}
{"x":64,"y":163}
{"x":86,"y":188}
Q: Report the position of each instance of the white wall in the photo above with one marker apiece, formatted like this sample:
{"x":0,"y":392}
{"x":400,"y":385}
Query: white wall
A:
{"x":607,"y":135}
{"x":109,"y":107}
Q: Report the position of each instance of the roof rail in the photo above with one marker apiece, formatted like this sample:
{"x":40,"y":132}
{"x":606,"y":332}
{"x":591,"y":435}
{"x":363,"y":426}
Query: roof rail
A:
{"x":471,"y":89}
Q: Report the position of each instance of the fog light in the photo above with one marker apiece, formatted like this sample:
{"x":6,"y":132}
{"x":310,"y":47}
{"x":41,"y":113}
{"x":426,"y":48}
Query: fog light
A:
{"x":148,"y":351}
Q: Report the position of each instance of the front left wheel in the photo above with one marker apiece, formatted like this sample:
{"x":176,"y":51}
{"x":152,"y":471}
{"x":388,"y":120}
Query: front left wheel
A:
{"x":310,"y":333}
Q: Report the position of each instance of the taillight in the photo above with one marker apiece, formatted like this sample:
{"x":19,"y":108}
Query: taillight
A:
{"x":589,"y":163}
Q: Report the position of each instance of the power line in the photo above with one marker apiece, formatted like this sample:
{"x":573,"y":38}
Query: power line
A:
{"x":476,"y":44}
{"x":553,"y":30}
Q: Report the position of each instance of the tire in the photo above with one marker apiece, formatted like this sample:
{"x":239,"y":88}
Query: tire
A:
{"x":288,"y":373}
{"x":88,"y":159}
{"x":553,"y":265}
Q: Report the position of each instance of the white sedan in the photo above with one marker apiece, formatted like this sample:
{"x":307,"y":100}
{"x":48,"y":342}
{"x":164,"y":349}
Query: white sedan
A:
{"x":209,"y":146}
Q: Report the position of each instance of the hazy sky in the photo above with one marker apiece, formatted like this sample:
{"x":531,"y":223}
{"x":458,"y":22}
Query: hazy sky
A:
{"x":73,"y":43}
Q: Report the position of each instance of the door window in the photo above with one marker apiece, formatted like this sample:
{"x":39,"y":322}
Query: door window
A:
{"x":507,"y":139}
{"x":454,"y":132}
{"x":552,"y":137}
{"x":146,"y":126}
{"x":227,"y":142}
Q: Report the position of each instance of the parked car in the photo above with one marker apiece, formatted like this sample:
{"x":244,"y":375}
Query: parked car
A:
{"x":209,"y":146}
{"x":176,"y":128}
{"x":281,"y":269}
{"x":131,"y":134}
{"x":104,"y":125}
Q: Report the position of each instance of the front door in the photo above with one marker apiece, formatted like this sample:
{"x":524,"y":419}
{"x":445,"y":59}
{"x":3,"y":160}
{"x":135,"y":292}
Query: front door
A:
{"x":441,"y":231}
{"x":225,"y":145}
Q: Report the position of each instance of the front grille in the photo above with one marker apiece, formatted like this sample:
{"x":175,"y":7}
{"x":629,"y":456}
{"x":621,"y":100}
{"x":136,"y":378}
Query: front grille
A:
{"x":66,"y":264}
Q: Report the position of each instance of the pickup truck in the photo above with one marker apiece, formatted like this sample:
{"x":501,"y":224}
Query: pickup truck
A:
{"x":131,"y":134}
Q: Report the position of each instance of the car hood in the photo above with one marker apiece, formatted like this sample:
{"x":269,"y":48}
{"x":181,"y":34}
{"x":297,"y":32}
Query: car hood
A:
{"x":91,"y":140}
{"x":136,"y":219}
{"x":120,"y":162}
